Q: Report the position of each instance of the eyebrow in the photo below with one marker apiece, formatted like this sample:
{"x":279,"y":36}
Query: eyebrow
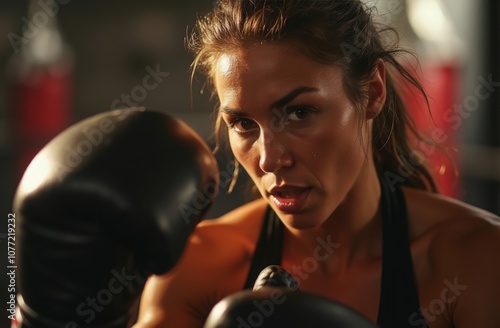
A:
{"x":283,"y":101}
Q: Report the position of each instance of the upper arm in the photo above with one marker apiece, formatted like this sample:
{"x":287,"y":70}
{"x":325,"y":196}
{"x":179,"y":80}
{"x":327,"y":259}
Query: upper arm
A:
{"x":213,"y":266}
{"x":163,"y":303}
{"x":181,"y":297}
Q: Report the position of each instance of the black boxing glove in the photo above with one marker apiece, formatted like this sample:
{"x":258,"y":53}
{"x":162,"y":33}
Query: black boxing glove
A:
{"x":276,"y":302}
{"x":105,"y":204}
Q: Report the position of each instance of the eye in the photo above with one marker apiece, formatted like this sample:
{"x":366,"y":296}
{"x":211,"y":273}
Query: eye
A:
{"x":242,"y":125}
{"x":297,"y":114}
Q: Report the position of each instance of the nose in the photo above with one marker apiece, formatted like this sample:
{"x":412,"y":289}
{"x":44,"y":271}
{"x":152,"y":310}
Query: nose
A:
{"x":274,"y":153}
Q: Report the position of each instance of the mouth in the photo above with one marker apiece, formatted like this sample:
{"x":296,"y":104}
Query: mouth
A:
{"x":289,"y":199}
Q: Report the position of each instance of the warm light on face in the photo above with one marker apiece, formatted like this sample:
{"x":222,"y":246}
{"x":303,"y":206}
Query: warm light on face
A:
{"x":224,"y":64}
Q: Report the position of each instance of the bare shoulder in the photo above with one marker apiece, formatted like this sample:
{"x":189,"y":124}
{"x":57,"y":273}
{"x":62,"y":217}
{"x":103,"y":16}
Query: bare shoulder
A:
{"x":455,"y":248}
{"x":226,"y":239}
{"x":218,"y":252}
{"x":451,"y":226}
{"x":229,"y":238}
{"x":433,"y":213}
{"x":242,"y":222}
{"x":214,"y":264}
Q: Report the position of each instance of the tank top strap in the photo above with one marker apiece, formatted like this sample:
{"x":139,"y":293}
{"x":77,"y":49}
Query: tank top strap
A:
{"x":269,"y":247}
{"x":399,"y":303}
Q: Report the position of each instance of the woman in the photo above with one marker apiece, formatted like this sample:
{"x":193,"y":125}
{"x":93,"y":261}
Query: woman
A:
{"x":309,"y":103}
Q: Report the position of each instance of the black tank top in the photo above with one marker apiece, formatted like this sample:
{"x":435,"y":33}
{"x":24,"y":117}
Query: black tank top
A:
{"x":399,"y":303}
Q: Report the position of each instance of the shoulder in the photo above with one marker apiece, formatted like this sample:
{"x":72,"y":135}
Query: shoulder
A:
{"x":431,"y":213}
{"x":455,"y":230}
{"x":453,"y":236}
{"x":218,"y":244}
{"x":223,"y":242}
{"x":242,"y":223}
{"x":458,"y":246}
{"x":213,"y":265}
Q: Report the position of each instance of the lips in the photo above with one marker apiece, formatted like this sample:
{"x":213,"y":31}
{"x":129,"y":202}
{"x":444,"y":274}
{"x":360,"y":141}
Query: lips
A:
{"x":289,"y":199}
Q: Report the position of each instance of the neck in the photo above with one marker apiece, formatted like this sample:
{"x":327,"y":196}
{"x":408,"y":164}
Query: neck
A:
{"x":352,"y":233}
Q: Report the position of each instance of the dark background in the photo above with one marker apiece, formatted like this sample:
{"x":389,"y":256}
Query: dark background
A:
{"x":114,"y":41}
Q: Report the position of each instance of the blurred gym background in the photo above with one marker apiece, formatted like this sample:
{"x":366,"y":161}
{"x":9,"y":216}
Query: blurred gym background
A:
{"x":66,"y":60}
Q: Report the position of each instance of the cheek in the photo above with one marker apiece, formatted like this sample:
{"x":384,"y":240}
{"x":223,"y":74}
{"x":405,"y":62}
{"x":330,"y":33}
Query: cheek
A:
{"x":336,"y":151}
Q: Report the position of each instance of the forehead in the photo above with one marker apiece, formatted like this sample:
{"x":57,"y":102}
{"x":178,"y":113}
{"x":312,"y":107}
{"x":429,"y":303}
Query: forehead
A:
{"x":269,"y":70}
{"x":255,"y":58}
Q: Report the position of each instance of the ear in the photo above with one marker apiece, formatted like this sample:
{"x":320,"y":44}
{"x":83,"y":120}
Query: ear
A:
{"x":376,"y":91}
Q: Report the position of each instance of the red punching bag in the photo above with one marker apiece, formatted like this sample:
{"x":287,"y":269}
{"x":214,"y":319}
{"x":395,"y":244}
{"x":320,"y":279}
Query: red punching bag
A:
{"x":439,"y":82}
{"x":426,"y":29}
{"x":40,"y":83}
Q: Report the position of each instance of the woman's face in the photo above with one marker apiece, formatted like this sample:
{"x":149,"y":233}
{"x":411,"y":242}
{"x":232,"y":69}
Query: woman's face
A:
{"x":293,"y":129}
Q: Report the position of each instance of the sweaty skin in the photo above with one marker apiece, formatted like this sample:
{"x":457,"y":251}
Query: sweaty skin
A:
{"x":297,"y":134}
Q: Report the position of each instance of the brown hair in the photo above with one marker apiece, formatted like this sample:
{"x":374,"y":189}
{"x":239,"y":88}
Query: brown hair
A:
{"x":340,"y":32}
